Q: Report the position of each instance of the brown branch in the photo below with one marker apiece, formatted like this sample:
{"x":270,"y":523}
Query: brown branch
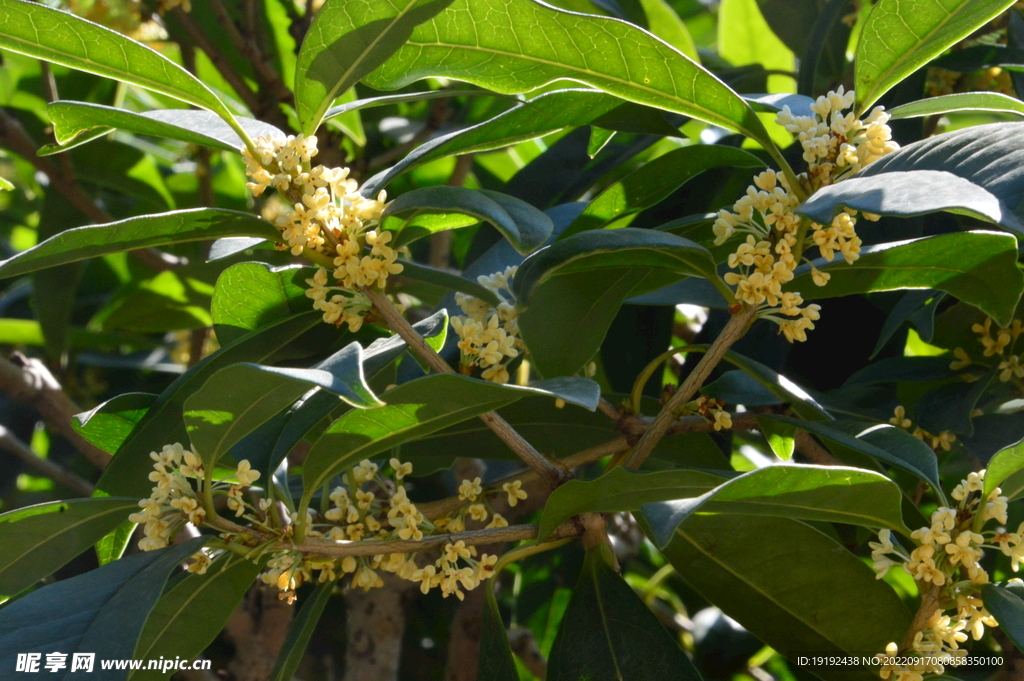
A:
{"x":269,"y":81}
{"x":374,"y":626}
{"x":525,"y":647}
{"x":400,"y":325}
{"x":815,"y":453}
{"x":925,"y":611}
{"x":733,"y":331}
{"x":44,"y":467}
{"x":258,"y":627}
{"x":31,"y":382}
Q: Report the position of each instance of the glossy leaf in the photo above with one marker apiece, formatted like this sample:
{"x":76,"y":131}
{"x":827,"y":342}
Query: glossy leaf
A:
{"x":959,"y":101}
{"x":162,"y":424}
{"x":445,"y":279}
{"x":799,"y":400}
{"x":300,"y":631}
{"x":385,"y":100}
{"x":345,"y":42}
{"x":621,"y":490}
{"x":544,"y":114}
{"x":107,"y":425}
{"x":63,"y":38}
{"x":898,"y":39}
{"x":112,"y":546}
{"x":496,"y":661}
{"x":418,"y":408}
{"x":608,"y":633}
{"x":82,"y":614}
{"x":788,"y":584}
{"x":518,"y":45}
{"x":979,"y":268}
{"x":949,"y":407}
{"x":421,"y":212}
{"x":1002,"y":466}
{"x":250,"y":295}
{"x":1006,"y":604}
{"x":40,"y":539}
{"x":81,"y":243}
{"x":75,"y":123}
{"x":654,"y":182}
{"x":834,"y":494}
{"x":582,"y":281}
{"x":885,"y":443}
{"x":781,"y":437}
{"x":663,"y":22}
{"x":189,"y":616}
{"x":744,"y":38}
{"x":910,"y":193}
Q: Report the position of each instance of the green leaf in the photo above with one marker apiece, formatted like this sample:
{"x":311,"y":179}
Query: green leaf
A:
{"x":55,"y":291}
{"x":250,"y":295}
{"x":496,"y":661}
{"x":445,"y":279}
{"x":621,"y":490}
{"x":75,"y":123}
{"x":162,"y":424}
{"x":949,"y":407}
{"x":111,"y":547}
{"x":883,"y":442}
{"x":421,"y":212}
{"x":1002,"y":466}
{"x":654,"y":182}
{"x":63,"y":38}
{"x":833,"y":494}
{"x":513,"y":46}
{"x":350,"y":122}
{"x":386,"y":100}
{"x":345,"y":42}
{"x":979,"y":268}
{"x":823,"y":58}
{"x":789,"y":585}
{"x":81,"y":243}
{"x":109,"y":424}
{"x":189,"y":616}
{"x":609,"y":634}
{"x":418,"y":408}
{"x":960,"y":101}
{"x":898,"y":39}
{"x":5,"y":185}
{"x":219,"y":414}
{"x":40,"y":539}
{"x":101,"y":612}
{"x":1007,"y":606}
{"x":745,"y":38}
{"x":663,"y":22}
{"x":300,"y":631}
{"x":781,"y":437}
{"x":910,"y":193}
{"x":570,"y":292}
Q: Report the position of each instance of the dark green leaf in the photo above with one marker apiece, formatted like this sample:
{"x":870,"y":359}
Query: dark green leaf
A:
{"x":790,"y":585}
{"x":979,"y":268}
{"x":834,"y":494}
{"x":101,"y":612}
{"x":189,"y":616}
{"x":162,"y":424}
{"x":198,"y":224}
{"x":609,"y":634}
{"x":496,"y":661}
{"x":1007,"y":606}
{"x":544,"y":114}
{"x":219,"y":414}
{"x":960,"y":101}
{"x":518,"y":46}
{"x":300,"y":631}
{"x":623,"y":490}
{"x":107,"y":425}
{"x":949,"y":407}
{"x":897,"y":40}
{"x":918,"y":307}
{"x":802,"y":404}
{"x":345,"y":42}
{"x":402,"y":98}
{"x":75,"y":123}
{"x":738,"y":387}
{"x":63,"y":38}
{"x":420,"y":212}
{"x":826,"y":44}
{"x":654,"y":182}
{"x":250,"y":295}
{"x":445,"y":279}
{"x":40,"y":539}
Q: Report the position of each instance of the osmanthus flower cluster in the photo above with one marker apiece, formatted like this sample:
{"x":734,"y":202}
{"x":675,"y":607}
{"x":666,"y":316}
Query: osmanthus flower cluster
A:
{"x":947,"y":557}
{"x":328,"y":216}
{"x":835,"y":144}
{"x":1001,"y":346}
{"x":367,"y":507}
{"x":489,"y":336}
{"x":943,"y":440}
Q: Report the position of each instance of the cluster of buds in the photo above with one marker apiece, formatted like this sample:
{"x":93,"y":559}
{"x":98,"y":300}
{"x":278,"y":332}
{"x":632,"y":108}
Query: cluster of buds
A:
{"x":710,"y":408}
{"x":489,"y":336}
{"x":835,"y":145}
{"x":1002,"y":345}
{"x":328,"y":215}
{"x":174,"y":501}
{"x":948,"y":557}
{"x":943,"y":440}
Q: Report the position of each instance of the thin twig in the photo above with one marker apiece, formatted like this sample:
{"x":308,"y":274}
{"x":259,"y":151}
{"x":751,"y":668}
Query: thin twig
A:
{"x":397,"y":323}
{"x":267,"y":77}
{"x":44,"y":467}
{"x":732,"y":332}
